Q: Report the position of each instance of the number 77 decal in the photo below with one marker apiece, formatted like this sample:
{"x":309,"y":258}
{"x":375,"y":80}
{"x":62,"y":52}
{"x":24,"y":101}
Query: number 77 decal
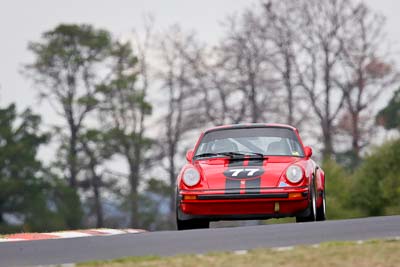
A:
{"x":250,"y":172}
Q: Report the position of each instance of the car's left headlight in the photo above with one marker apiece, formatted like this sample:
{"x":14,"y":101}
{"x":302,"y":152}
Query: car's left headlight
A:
{"x":294,"y":174}
{"x":191,"y":177}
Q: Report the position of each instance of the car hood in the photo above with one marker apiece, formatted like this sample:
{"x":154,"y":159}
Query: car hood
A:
{"x":224,"y":172}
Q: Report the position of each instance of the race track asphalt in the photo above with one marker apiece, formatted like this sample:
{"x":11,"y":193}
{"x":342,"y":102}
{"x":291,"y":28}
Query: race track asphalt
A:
{"x":46,"y":252}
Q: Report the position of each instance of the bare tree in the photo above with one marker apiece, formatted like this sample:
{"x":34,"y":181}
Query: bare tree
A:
{"x":280,"y":23}
{"x":178,"y":54}
{"x":220,"y":101}
{"x":243,"y":53}
{"x":367,"y":73}
{"x":323,"y":25}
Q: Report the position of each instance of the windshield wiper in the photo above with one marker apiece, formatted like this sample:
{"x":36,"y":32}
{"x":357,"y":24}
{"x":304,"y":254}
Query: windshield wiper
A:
{"x":261,"y":155}
{"x":230,"y":154}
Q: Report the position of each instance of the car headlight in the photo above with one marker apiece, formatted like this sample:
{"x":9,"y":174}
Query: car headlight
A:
{"x":294,"y":174}
{"x":191,"y":177}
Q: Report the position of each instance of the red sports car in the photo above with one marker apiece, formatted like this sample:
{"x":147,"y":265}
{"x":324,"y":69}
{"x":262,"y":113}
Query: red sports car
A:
{"x":249,"y":171}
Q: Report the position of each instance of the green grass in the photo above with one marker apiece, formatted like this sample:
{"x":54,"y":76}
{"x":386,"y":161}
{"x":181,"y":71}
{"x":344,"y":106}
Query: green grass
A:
{"x":382,"y":253}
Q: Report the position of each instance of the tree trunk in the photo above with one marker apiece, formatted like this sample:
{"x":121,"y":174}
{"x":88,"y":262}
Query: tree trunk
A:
{"x":289,"y":89}
{"x":172,"y":179}
{"x":327,"y":125}
{"x":134,"y":199}
{"x":97,"y":199}
{"x":327,"y":139}
{"x":253,"y":99}
{"x":96,"y":184}
{"x":134,"y":195}
{"x":72,"y":160}
{"x":356,"y":134}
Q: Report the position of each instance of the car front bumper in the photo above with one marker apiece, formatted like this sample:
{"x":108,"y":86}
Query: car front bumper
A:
{"x":260,"y":203}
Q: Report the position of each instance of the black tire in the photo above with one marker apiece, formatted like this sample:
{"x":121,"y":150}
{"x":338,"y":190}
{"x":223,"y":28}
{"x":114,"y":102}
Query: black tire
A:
{"x":192,"y":224}
{"x":188,"y":224}
{"x":312,"y":216}
{"x":321,"y":211}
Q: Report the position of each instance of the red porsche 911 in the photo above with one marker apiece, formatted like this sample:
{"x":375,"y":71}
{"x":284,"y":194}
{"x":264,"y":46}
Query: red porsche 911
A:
{"x":249,"y":171}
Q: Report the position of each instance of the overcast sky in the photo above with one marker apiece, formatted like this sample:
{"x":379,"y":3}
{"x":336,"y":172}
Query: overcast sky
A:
{"x":23,"y":21}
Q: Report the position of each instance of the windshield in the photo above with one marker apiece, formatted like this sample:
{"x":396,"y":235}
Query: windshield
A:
{"x":268,"y":141}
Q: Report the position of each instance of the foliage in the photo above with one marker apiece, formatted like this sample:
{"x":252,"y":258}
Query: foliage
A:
{"x":389,"y":117}
{"x":376,"y":189}
{"x":372,"y":190}
{"x":154,"y":208}
{"x":123,"y":108}
{"x":67,"y":66}
{"x":338,"y":183}
{"x":29,"y":194}
{"x":348,"y":159}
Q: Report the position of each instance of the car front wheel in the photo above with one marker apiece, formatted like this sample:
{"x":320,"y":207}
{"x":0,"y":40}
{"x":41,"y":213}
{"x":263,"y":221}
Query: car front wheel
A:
{"x":312,"y":217}
{"x":188,"y":224}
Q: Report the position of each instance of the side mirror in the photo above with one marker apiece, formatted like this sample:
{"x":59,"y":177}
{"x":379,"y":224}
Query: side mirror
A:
{"x":308,"y":151}
{"x":189,"y":155}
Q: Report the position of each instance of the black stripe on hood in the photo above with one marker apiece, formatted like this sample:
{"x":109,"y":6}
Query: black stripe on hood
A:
{"x":256,"y":182}
{"x":233,"y":183}
{"x":253,"y":183}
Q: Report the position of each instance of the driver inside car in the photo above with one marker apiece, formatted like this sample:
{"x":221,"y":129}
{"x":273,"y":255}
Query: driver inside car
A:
{"x":223,"y":145}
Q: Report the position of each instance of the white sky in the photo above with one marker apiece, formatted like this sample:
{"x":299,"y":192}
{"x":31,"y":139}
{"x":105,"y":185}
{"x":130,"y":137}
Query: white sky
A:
{"x":23,"y":21}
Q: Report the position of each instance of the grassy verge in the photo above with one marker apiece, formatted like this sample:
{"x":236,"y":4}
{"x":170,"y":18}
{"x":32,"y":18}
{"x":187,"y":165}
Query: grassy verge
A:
{"x":382,"y":253}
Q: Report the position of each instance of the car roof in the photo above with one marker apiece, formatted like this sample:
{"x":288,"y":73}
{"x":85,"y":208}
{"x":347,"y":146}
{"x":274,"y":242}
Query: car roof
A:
{"x":250,"y":125}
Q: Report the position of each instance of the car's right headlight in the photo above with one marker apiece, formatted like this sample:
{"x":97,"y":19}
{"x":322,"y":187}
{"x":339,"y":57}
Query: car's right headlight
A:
{"x":191,"y":177}
{"x":294,"y":174}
